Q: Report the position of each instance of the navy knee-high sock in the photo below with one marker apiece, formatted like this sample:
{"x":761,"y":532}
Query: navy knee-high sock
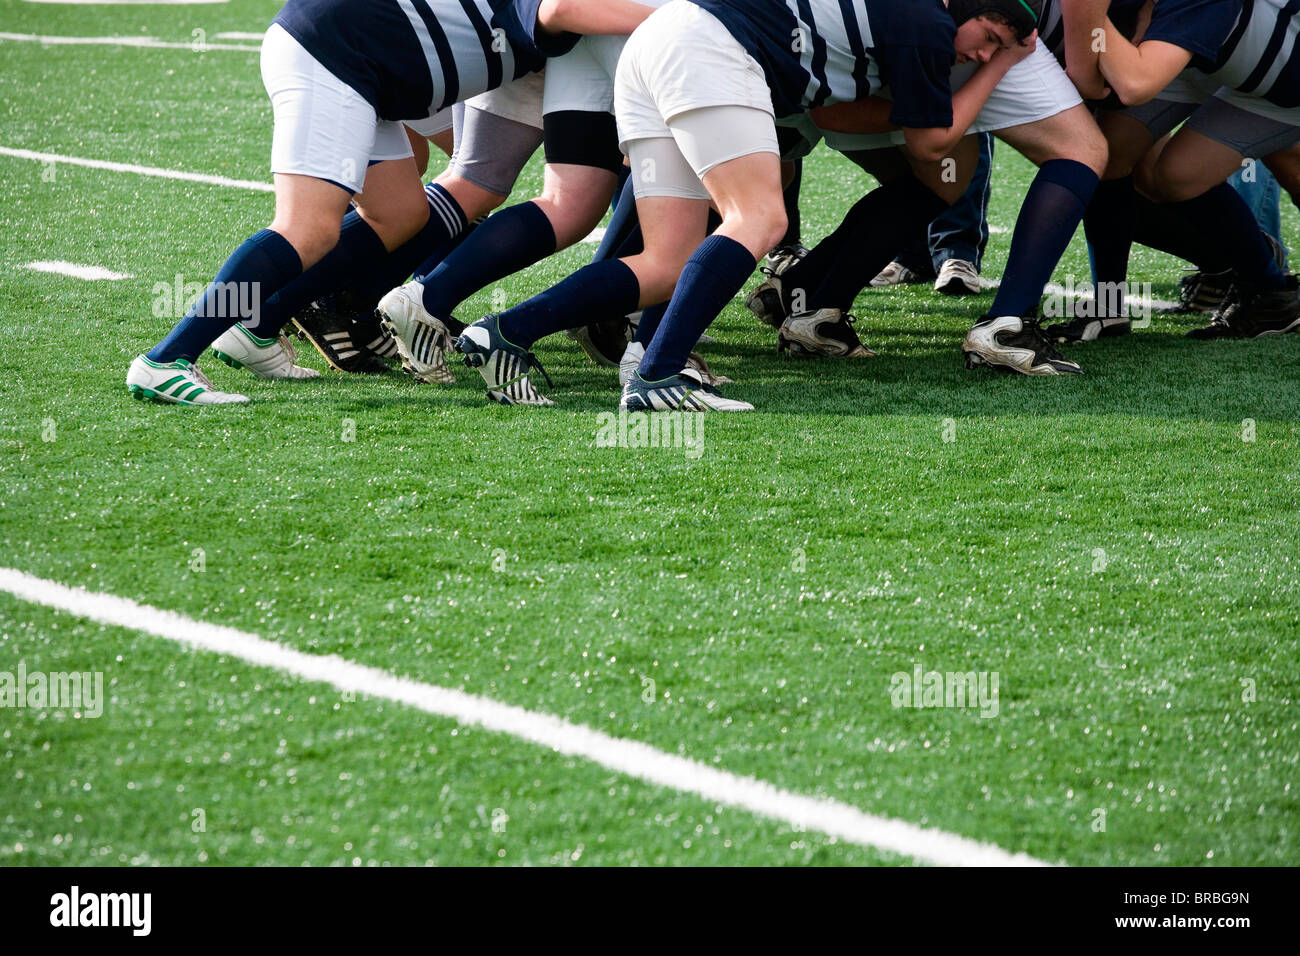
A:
{"x":1050,"y":214}
{"x":510,"y":240}
{"x":888,"y":219}
{"x":1109,"y":223}
{"x":713,"y":275}
{"x":259,"y":268}
{"x":812,"y":269}
{"x":623,"y":224}
{"x":444,"y":230}
{"x":790,"y":198}
{"x":358,"y":253}
{"x":653,"y":315}
{"x":1227,"y":232}
{"x":651,"y":319}
{"x":599,"y":290}
{"x":1165,"y":227}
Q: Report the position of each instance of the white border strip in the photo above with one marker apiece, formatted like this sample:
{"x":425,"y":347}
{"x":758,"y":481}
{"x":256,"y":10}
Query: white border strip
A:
{"x":150,"y":43}
{"x":138,"y":170}
{"x":71,"y":269}
{"x":628,"y":757}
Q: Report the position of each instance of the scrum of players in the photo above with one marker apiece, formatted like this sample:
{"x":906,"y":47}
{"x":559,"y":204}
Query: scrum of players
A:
{"x":692,"y":119}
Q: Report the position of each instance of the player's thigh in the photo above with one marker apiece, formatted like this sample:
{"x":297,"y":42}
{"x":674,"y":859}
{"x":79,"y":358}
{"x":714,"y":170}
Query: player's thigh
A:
{"x":497,"y":133}
{"x":951,"y":176}
{"x":672,"y":227}
{"x":1071,"y":134}
{"x":575,"y":199}
{"x":1128,"y":140}
{"x":1214,"y":142}
{"x":1284,"y":164}
{"x":734,"y":152}
{"x":1190,"y":165}
{"x":393,"y":201}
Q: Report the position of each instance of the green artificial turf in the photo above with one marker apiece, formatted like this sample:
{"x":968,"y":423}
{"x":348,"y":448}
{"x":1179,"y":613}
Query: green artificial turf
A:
{"x":1120,"y":547}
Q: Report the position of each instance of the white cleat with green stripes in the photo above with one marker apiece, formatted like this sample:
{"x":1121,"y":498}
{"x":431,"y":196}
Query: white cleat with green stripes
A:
{"x":265,"y":358}
{"x":175,"y":383}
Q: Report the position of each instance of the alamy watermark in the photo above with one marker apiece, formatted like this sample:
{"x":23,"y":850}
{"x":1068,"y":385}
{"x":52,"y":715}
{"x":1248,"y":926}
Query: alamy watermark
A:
{"x":624,"y":429}
{"x":235,"y":300}
{"x":1086,"y":300}
{"x":926,"y":689}
{"x":81,"y":691}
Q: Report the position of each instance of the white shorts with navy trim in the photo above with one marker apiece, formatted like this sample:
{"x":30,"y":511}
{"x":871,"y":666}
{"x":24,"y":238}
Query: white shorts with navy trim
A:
{"x":323,"y":127}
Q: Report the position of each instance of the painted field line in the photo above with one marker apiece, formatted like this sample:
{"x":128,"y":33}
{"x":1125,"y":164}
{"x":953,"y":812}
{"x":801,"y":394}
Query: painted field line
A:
{"x":124,"y":3}
{"x":240,"y":35}
{"x":89,"y":273}
{"x":138,"y":170}
{"x":628,"y":757}
{"x":146,"y":42}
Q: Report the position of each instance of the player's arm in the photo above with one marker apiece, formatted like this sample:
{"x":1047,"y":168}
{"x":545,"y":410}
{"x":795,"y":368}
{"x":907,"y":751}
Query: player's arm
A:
{"x":934,"y":143}
{"x":873,"y":115}
{"x":609,"y":17}
{"x":1083,"y":20}
{"x":861,"y":116}
{"x":1138,"y":73}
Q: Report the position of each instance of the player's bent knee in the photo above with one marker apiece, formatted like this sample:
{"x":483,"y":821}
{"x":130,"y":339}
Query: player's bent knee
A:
{"x":312,"y":241}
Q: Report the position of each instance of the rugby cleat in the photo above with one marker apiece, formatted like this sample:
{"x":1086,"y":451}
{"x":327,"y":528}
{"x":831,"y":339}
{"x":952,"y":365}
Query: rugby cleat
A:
{"x":504,"y":367}
{"x":1254,"y":313}
{"x":630,"y":362}
{"x":897,"y":274}
{"x":635,"y":352}
{"x":768,"y":301}
{"x":604,"y":342}
{"x":1202,"y":292}
{"x":684,"y":392}
{"x":328,"y":326}
{"x":422,"y":339}
{"x":265,"y":358}
{"x":958,"y":277}
{"x":783,"y":257}
{"x":1015,"y":344}
{"x":1080,"y":329}
{"x":824,"y":332}
{"x":175,"y":383}
{"x":368,"y":331}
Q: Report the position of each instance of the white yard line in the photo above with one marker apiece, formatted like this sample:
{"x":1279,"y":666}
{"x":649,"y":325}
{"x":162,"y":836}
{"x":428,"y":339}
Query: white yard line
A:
{"x":630,"y":757}
{"x":89,"y":273}
{"x":138,"y":170}
{"x":125,"y":3}
{"x":237,"y":35}
{"x":147,"y":42}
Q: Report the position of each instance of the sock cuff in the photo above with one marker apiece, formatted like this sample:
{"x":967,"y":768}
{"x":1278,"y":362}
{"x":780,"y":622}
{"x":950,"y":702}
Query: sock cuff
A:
{"x":532,"y":217}
{"x":445,"y":207}
{"x":280,"y":252}
{"x":722,"y":254}
{"x":357,"y":232}
{"x":1072,"y":175}
{"x":629,"y":284}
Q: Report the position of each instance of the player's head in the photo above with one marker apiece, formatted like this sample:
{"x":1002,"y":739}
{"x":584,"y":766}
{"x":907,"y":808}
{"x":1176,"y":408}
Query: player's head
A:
{"x":983,"y":26}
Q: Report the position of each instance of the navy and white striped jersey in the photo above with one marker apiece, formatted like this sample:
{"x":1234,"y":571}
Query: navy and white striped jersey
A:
{"x":816,"y":52}
{"x":412,"y":58}
{"x":1261,"y":55}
